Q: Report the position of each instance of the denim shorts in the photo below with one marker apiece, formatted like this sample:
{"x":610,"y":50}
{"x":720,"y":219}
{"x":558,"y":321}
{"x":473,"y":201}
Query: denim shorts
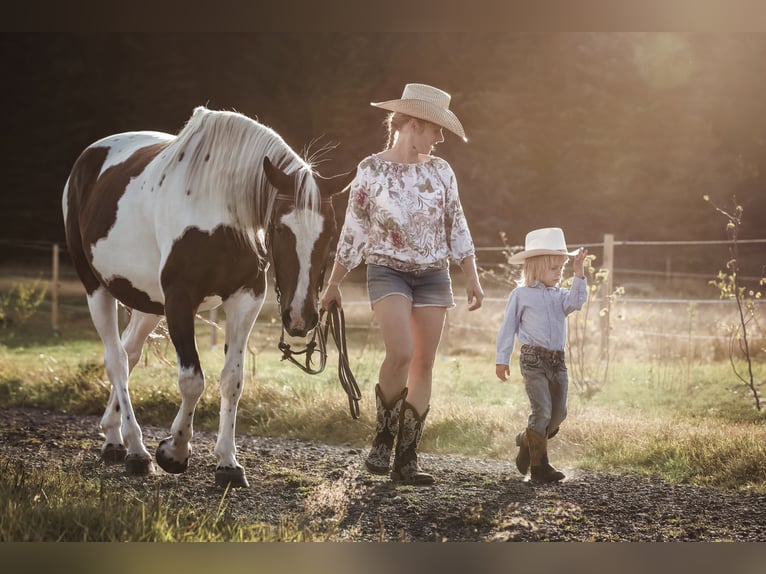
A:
{"x":426,"y":288}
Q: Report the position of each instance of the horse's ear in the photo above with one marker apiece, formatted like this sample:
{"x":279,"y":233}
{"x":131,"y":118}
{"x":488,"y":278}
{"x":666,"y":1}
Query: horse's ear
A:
{"x":336,"y":184}
{"x":277,"y":177}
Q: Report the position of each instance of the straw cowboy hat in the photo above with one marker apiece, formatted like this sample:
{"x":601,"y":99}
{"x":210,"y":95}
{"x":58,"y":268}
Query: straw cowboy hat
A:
{"x":546,"y":241}
{"x":426,"y":103}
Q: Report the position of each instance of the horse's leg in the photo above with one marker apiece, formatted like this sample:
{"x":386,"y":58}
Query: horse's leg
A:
{"x":133,"y":338}
{"x":174,"y":451}
{"x":241,"y":310}
{"x":103,"y":311}
{"x":135,"y":334}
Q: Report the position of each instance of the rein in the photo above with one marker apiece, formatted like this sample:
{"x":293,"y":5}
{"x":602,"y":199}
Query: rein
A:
{"x":335,"y":325}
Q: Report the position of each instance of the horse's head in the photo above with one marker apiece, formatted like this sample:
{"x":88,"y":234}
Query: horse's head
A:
{"x":300,"y":240}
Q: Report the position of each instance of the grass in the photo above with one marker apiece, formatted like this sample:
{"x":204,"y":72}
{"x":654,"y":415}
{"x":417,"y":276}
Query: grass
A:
{"x":672,"y":410}
{"x":40,"y":505}
{"x":702,"y":431}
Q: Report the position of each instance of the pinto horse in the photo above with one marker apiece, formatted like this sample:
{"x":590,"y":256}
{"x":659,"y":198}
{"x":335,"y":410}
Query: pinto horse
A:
{"x":172,"y":225}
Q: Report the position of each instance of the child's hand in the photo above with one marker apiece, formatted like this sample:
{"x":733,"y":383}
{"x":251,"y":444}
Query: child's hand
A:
{"x":502,"y":372}
{"x":578,"y":262}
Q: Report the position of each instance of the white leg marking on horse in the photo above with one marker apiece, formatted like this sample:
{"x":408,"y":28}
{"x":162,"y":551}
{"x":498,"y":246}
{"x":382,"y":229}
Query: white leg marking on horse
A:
{"x":306,"y":226}
{"x":241,"y":311}
{"x":103,"y":310}
{"x":110,"y":421}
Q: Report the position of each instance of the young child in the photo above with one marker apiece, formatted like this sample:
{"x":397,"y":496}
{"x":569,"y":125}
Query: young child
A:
{"x":536,"y":312}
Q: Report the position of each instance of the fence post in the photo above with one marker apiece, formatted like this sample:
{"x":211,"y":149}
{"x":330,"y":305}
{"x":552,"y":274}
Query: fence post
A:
{"x":55,"y":290}
{"x":608,"y":265}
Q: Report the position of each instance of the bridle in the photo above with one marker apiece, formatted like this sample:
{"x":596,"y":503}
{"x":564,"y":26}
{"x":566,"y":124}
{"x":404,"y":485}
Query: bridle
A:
{"x":334,"y":324}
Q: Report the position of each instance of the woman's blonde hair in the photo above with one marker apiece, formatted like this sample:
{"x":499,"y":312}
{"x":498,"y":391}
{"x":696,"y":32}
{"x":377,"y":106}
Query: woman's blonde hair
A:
{"x":394,"y":122}
{"x":534,"y":267}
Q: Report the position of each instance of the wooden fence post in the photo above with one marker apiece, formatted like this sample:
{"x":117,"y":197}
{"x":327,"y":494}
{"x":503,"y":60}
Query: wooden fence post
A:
{"x":608,"y":265}
{"x":55,"y":290}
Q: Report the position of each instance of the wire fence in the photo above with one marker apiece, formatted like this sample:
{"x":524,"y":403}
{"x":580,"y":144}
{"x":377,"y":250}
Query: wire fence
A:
{"x":630,"y":318}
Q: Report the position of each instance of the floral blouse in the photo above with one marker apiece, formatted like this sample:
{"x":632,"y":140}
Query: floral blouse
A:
{"x":405,"y":216}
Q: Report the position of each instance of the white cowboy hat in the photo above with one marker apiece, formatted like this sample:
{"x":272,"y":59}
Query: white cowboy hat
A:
{"x":426,"y":103}
{"x":545,"y":241}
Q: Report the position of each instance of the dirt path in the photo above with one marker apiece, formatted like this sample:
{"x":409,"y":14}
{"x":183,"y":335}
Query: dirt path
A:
{"x":473,"y":499}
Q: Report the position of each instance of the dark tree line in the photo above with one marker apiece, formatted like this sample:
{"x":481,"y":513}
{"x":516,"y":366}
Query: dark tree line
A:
{"x":596,"y":133}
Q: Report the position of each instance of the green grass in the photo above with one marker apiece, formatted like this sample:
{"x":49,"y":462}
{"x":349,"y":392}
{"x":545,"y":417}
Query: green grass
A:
{"x":40,"y":505}
{"x":700,"y":430}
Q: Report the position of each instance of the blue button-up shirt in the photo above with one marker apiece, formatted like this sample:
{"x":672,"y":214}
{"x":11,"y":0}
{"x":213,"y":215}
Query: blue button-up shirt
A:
{"x":537,"y":315}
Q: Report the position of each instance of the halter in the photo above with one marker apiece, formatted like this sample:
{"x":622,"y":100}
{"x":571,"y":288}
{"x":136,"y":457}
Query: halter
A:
{"x":334,"y":323}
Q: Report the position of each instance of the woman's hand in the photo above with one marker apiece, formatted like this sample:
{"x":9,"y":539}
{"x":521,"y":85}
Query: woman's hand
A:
{"x":475,"y":294}
{"x":331,"y":294}
{"x":473,"y":290}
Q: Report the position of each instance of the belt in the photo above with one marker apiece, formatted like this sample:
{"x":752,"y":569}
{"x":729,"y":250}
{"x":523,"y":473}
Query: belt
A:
{"x":543,"y":352}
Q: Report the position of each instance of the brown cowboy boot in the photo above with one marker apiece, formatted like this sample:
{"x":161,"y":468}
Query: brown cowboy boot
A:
{"x":538,"y":457}
{"x":379,"y":458}
{"x":406,"y":467}
{"x":522,"y":458}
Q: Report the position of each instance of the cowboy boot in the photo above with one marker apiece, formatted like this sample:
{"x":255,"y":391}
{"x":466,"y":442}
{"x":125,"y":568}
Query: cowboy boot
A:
{"x":379,"y":458}
{"x":406,"y":467}
{"x":538,"y":457}
{"x":522,"y":458}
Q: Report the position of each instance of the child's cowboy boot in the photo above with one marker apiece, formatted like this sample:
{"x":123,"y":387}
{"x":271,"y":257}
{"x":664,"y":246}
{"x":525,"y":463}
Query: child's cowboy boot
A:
{"x":379,"y":458}
{"x":538,"y":456}
{"x":522,"y":458}
{"x":406,"y":467}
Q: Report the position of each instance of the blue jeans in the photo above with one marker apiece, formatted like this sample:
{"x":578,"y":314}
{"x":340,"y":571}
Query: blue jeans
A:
{"x":546,"y":382}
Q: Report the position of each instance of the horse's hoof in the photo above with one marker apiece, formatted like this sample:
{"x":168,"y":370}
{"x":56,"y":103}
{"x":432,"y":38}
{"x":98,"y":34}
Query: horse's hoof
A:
{"x":113,"y":453}
{"x":232,"y":477}
{"x":137,"y":465}
{"x":169,"y":464}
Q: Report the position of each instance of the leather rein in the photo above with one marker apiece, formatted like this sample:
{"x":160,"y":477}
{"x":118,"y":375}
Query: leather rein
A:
{"x":331,"y":322}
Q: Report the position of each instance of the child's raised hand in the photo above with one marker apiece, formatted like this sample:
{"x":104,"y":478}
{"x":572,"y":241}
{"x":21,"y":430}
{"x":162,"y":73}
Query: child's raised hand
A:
{"x":579,"y":260}
{"x":502,"y":372}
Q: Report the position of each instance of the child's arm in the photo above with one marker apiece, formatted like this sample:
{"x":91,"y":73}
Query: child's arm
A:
{"x":575,"y":298}
{"x":506,"y":337}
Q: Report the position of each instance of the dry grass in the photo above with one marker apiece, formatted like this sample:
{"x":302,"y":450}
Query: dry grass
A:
{"x":669,"y":404}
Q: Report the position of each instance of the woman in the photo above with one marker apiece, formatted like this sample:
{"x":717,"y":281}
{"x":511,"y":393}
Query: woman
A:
{"x":405,"y":220}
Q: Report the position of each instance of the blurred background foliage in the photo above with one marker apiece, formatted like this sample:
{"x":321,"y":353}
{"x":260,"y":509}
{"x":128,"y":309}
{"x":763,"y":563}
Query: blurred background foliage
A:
{"x":594,"y":132}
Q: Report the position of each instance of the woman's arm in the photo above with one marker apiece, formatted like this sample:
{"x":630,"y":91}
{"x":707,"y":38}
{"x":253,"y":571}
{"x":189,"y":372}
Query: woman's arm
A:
{"x":332,"y":292}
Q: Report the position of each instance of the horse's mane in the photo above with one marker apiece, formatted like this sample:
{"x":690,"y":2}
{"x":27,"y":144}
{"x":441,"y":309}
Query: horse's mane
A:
{"x":225,"y":152}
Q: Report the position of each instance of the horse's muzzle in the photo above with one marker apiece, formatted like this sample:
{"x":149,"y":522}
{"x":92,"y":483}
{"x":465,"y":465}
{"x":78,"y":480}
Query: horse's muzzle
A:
{"x":297,"y":325}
